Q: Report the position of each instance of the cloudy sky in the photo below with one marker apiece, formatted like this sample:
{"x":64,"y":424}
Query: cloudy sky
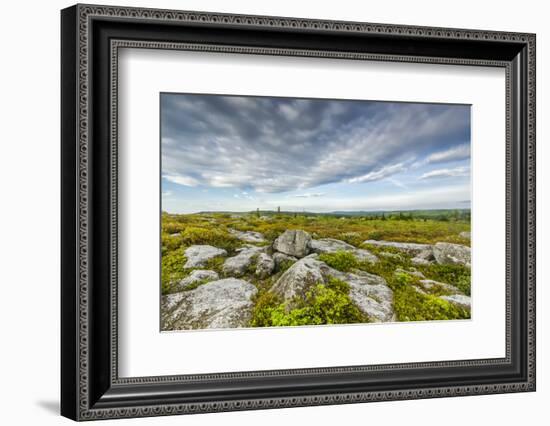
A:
{"x":233,"y":153}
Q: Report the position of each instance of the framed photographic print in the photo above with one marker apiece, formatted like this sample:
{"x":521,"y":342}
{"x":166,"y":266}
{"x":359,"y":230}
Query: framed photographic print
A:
{"x":263,"y":212}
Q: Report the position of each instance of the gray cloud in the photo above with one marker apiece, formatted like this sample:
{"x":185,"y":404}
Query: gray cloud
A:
{"x":279,"y":144}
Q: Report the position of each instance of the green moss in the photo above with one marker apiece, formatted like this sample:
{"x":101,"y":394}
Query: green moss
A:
{"x":172,"y":269}
{"x":456,"y":275}
{"x":214,"y":236}
{"x":408,"y":303}
{"x":324,"y":304}
{"x":341,"y":260}
{"x":196,"y":284}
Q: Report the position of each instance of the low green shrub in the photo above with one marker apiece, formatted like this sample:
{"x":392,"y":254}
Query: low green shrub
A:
{"x":456,"y":275}
{"x":341,"y":260}
{"x":172,"y":269}
{"x":217,"y":237}
{"x":324,"y":304}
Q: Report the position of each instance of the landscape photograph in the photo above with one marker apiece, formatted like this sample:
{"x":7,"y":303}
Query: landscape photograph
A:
{"x":282,"y":212}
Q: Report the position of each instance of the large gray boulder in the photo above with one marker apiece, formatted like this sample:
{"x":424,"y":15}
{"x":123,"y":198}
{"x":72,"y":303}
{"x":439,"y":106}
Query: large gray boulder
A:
{"x":412,"y":249}
{"x":265,"y":265}
{"x":293,"y":242}
{"x":198,"y":255}
{"x":195,"y":276}
{"x":452,"y":254}
{"x":223,"y":303}
{"x":372,"y":296}
{"x":299,"y":278}
{"x":331,"y":245}
{"x":248,"y":236}
{"x":238,"y":265}
{"x":369,"y":292}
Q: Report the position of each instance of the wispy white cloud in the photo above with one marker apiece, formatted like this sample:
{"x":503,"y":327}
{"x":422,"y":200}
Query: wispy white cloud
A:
{"x":309,"y":195}
{"x":456,"y":153}
{"x":181,"y":180}
{"x":446,"y":173}
{"x":382,"y":173}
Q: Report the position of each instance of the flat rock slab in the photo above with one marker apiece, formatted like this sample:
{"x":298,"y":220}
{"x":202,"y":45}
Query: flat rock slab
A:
{"x":293,"y":243}
{"x":199,"y":255}
{"x":430,"y":285}
{"x":460,"y":300}
{"x":412,"y":249}
{"x":197,"y":275}
{"x":248,"y":236}
{"x":331,"y":245}
{"x":239,"y":264}
{"x":223,"y":303}
{"x":452,"y":254}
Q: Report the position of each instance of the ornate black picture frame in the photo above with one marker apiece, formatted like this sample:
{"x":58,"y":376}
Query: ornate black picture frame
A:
{"x":91,"y":36}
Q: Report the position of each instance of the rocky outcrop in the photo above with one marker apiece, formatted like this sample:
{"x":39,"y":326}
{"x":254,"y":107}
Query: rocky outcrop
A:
{"x":248,"y":236}
{"x":299,"y":278}
{"x":465,"y":234}
{"x":199,"y":255}
{"x":293,"y":242}
{"x":369,"y":292}
{"x":281,"y":258}
{"x":331,"y":245}
{"x":451,"y":254}
{"x":459,"y":300}
{"x":195,"y":276}
{"x":371,"y":295}
{"x":412,"y":249}
{"x":238,"y":265}
{"x":223,"y":303}
{"x":264,"y":265}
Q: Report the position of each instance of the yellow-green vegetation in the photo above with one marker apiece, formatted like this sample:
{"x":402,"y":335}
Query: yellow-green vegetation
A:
{"x":324,"y":304}
{"x":327,"y":303}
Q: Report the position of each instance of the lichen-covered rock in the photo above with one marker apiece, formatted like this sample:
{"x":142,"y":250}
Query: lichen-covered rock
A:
{"x":199,"y":255}
{"x":248,"y":236}
{"x":412,"y":249}
{"x":238,"y":265}
{"x":329,"y":245}
{"x":265,"y":265}
{"x":362,"y":254}
{"x":293,"y":242}
{"x":459,"y":300}
{"x":197,"y":275}
{"x":372,"y":295}
{"x":369,"y":292}
{"x":452,"y":254}
{"x":223,"y":303}
{"x":281,"y":259}
{"x":299,"y":278}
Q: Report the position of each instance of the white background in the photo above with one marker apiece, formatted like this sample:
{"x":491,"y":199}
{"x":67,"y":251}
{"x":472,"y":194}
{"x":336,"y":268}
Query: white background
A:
{"x":29,"y":225}
{"x":140,"y":343}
